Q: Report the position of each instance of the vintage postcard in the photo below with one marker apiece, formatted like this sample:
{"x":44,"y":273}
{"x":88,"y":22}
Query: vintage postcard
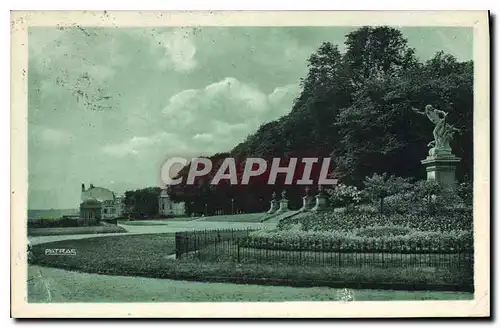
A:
{"x":250,"y":164}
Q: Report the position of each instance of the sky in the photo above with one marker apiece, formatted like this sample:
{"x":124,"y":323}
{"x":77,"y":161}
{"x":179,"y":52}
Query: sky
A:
{"x":108,"y":106}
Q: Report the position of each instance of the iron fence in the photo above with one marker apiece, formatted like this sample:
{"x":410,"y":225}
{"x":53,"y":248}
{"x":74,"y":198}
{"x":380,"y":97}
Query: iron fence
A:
{"x":232,"y":246}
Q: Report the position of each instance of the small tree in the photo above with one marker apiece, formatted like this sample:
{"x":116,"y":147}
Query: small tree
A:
{"x":465,"y":191}
{"x":344,"y":196}
{"x":428,"y":191}
{"x":378,"y":187}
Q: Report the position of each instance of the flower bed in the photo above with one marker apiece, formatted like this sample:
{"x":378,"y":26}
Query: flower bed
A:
{"x":413,"y":242}
{"x":335,"y":221}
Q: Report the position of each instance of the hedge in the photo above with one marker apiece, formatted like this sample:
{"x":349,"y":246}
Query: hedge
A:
{"x":62,"y":223}
{"x":414,"y":242}
{"x":340,"y":221}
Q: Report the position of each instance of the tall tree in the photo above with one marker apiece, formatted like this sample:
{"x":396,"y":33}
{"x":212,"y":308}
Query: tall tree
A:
{"x":378,"y":128}
{"x":142,"y":202}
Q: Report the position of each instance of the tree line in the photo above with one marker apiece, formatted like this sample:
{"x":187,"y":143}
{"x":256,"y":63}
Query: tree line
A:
{"x":355,"y":107}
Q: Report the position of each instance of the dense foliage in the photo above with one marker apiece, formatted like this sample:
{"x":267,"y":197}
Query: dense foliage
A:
{"x":141,"y":203}
{"x":459,"y":219}
{"x":355,"y":241}
{"x":61,"y":223}
{"x":356,"y":108}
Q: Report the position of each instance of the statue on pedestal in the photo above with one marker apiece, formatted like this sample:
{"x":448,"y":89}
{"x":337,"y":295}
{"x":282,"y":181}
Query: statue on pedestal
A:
{"x":274,"y":204}
{"x":440,"y":164}
{"x":283,"y":203}
{"x":306,"y":200}
{"x":321,"y":204}
{"x":443,"y":132}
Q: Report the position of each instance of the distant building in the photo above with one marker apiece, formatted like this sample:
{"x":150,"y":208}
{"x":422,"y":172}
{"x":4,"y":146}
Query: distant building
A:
{"x":168,"y":207}
{"x":100,"y":203}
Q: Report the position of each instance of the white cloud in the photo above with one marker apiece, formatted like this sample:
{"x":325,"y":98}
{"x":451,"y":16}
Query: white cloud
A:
{"x":210,"y":119}
{"x":228,"y":101}
{"x":179,"y":49}
{"x":136,"y":144}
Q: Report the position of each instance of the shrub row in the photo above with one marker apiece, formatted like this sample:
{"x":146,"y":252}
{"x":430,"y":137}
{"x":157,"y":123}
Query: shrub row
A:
{"x":341,"y":221}
{"x":415,"y":242}
{"x":61,"y":223}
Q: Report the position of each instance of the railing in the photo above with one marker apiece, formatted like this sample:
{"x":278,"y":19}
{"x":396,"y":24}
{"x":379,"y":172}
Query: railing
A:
{"x":230,"y":246}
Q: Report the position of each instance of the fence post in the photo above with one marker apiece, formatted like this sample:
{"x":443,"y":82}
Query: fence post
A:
{"x":238,"y":251}
{"x":339,"y":252}
{"x":178,"y":251}
{"x":300,"y":250}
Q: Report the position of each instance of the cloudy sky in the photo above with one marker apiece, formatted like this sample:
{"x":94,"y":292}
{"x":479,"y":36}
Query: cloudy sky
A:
{"x":107,"y":106}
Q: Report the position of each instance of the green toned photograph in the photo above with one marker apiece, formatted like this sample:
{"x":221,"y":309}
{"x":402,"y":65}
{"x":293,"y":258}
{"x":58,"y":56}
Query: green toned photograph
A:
{"x":250,"y":164}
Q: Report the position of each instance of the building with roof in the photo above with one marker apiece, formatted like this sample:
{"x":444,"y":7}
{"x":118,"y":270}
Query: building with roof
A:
{"x":100,"y":203}
{"x":167,"y":207}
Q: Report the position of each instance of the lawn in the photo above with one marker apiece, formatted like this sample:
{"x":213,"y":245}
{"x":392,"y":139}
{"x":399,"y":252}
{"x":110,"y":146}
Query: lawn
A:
{"x":143,"y":223}
{"x":147,"y":256}
{"x":74,"y":230}
{"x":247,"y":217}
{"x":183,"y":218}
{"x":70,"y":286}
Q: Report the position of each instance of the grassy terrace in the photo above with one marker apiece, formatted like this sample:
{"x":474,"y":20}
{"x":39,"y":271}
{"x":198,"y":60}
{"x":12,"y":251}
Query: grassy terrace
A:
{"x":144,"y":223}
{"x":246,"y":217}
{"x":74,"y":230}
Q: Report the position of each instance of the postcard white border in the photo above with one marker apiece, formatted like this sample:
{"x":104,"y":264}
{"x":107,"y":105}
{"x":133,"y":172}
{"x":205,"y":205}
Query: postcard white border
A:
{"x":480,"y":306}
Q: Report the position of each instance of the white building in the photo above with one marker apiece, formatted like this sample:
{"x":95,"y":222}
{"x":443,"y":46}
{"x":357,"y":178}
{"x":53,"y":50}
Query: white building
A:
{"x":100,"y":203}
{"x":167,"y":207}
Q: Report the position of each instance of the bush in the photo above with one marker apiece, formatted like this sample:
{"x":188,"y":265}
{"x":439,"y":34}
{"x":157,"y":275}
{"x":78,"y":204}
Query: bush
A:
{"x":382,"y":231}
{"x":111,"y":221}
{"x":390,"y":195}
{"x":344,"y":196}
{"x":378,"y":187}
{"x":465,"y":192}
{"x":446,"y":220}
{"x":415,"y":241}
{"x":59,"y":223}
{"x":63,"y":222}
{"x":403,"y":203}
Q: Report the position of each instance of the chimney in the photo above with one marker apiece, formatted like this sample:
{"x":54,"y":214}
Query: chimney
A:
{"x":83,"y":187}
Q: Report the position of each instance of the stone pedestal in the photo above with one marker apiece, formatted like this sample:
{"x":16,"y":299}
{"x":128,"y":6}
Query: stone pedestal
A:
{"x":283,"y":206}
{"x":306,"y":203}
{"x":321,"y":203}
{"x":441,"y":168}
{"x":274,"y":206}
